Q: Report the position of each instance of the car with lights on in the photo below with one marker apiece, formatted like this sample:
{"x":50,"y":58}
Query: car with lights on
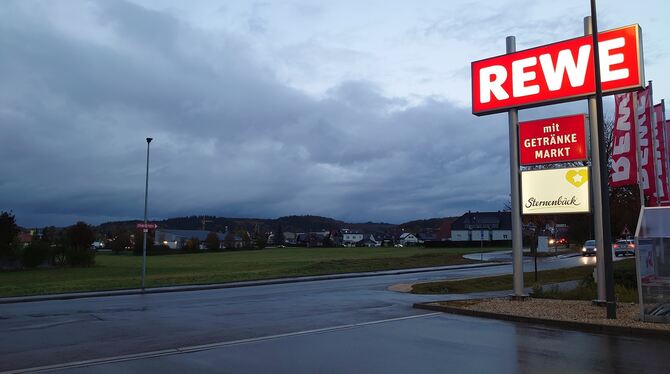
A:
{"x":624,"y":247}
{"x":589,"y":248}
{"x":558,"y":242}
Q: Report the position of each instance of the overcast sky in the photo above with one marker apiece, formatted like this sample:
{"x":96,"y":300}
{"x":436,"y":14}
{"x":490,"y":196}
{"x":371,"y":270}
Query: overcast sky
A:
{"x":357,"y":110}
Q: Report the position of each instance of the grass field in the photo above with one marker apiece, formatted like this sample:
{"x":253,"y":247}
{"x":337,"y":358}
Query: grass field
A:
{"x":123,"y":271}
{"x":504,"y":282}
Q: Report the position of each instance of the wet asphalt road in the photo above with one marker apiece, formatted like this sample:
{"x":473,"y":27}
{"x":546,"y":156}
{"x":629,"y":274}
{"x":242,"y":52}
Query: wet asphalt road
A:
{"x":433,"y":343}
{"x":52,"y":332}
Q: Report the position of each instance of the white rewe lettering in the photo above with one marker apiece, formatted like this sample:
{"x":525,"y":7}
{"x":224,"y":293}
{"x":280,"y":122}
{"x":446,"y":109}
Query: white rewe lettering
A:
{"x":490,"y":81}
{"x":565,"y":63}
{"x":607,"y":60}
{"x":621,"y":169}
{"x":521,"y":77}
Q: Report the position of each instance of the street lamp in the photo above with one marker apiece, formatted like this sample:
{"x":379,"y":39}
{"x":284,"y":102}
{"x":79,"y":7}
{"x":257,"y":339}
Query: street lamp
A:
{"x":146,"y":195}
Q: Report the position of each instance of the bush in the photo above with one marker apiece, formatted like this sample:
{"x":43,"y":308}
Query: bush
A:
{"x":35,"y":254}
{"x":77,"y":256}
{"x":626,"y":278}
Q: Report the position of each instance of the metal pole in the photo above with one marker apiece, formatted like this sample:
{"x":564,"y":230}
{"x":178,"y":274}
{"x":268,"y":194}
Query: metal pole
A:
{"x":597,"y":192}
{"x":517,"y":254}
{"x":146,"y":196}
{"x":603,"y":172}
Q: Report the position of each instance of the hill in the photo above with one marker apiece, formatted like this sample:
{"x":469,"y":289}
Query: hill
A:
{"x":305,"y":223}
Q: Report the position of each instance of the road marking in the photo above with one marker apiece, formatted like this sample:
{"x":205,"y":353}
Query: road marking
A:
{"x":204,"y":347}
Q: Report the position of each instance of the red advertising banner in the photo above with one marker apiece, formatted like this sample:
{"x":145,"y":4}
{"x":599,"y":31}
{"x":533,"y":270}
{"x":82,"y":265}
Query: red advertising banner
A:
{"x":647,"y":179}
{"x":550,"y":140}
{"x":558,"y":72}
{"x":624,"y":142}
{"x":659,"y":156}
{"x":667,"y":150}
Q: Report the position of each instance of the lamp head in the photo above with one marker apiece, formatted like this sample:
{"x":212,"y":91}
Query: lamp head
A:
{"x":149,"y":140}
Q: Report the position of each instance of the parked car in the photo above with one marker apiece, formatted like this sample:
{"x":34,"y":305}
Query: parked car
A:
{"x":624,"y":247}
{"x":589,"y":248}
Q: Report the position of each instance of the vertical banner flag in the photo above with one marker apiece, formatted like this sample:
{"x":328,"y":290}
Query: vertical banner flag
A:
{"x":659,"y":156}
{"x":647,"y":179}
{"x":667,"y":150}
{"x":624,"y":142}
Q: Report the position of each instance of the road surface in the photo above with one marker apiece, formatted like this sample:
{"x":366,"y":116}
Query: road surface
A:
{"x":52,"y":332}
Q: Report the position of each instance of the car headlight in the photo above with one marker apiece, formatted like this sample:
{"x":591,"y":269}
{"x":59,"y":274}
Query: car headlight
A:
{"x":583,"y":249}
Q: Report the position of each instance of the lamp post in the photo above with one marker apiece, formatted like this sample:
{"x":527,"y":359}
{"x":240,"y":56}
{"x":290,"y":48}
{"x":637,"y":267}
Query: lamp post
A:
{"x":146,"y":195}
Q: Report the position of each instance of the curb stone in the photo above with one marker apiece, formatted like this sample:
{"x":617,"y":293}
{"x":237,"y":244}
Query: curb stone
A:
{"x":572,"y":325}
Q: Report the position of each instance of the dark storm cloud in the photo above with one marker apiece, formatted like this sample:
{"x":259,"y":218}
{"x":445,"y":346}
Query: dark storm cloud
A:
{"x":231,"y":139}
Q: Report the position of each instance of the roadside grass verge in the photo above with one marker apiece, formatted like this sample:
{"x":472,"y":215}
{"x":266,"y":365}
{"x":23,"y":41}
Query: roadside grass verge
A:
{"x":504,"y":282}
{"x":123,"y":271}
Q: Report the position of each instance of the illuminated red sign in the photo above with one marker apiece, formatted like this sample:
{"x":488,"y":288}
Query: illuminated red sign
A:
{"x":550,"y":140}
{"x":558,"y":72}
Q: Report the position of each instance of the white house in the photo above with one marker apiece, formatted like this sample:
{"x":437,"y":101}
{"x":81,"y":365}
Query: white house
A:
{"x":350,"y":238}
{"x":484,"y":226}
{"x":407,"y":239}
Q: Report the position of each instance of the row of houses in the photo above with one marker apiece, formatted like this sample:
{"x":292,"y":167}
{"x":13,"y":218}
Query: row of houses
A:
{"x":471,"y":226}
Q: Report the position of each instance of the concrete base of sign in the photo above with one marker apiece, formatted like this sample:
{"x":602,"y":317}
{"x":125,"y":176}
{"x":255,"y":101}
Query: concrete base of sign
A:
{"x":523,"y":297}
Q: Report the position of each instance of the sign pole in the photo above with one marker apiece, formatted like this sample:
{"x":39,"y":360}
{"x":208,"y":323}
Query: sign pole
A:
{"x":597,"y":193}
{"x":144,"y":230}
{"x":517,"y":254}
{"x":603,"y":176}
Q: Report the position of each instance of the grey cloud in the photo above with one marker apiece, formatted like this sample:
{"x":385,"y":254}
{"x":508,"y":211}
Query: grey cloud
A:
{"x":230,"y":138}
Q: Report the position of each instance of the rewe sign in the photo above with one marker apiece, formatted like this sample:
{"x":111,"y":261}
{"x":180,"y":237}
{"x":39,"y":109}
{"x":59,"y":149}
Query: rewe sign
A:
{"x":558,"y":72}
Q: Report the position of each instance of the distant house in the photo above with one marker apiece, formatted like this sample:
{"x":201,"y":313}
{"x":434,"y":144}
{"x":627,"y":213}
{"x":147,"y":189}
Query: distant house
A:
{"x":25,"y":238}
{"x":176,"y":239}
{"x":289,"y":238}
{"x":426,"y":237}
{"x":478,"y":226}
{"x":383,"y":239}
{"x":350,"y":238}
{"x":408,"y":239}
{"x":368,"y":242}
{"x":444,"y":231}
{"x":313,"y":239}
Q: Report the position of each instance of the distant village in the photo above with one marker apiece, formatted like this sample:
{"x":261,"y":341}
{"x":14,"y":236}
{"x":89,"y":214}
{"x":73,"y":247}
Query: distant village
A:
{"x":470,"y":229}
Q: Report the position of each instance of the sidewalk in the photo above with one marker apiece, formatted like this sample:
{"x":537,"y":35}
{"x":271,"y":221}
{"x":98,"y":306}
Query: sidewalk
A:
{"x":506,"y":256}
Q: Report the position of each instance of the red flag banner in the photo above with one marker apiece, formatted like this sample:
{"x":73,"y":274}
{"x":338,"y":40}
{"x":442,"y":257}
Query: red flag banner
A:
{"x":659,"y":156}
{"x":648,"y":179}
{"x":624,"y":142}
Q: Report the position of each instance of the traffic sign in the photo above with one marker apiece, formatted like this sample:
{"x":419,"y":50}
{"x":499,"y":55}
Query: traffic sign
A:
{"x":147,"y":226}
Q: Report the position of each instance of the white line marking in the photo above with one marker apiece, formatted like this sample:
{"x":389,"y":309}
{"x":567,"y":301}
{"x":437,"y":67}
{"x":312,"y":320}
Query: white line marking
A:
{"x":204,"y":347}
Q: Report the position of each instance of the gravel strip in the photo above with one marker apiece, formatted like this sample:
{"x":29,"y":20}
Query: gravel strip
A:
{"x":561,"y":310}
